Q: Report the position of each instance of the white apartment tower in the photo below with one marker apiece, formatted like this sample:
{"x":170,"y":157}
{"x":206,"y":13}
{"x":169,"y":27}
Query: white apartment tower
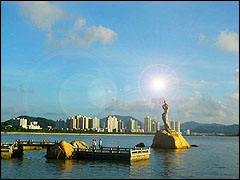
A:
{"x":78,"y":121}
{"x":115,"y":124}
{"x":132,"y":124}
{"x":147,"y":124}
{"x":120,"y":124}
{"x":173,"y":125}
{"x":94,"y":123}
{"x":154,"y":126}
{"x":158,"y":126}
{"x":112,"y":123}
{"x":23,"y":123}
{"x":178,"y":126}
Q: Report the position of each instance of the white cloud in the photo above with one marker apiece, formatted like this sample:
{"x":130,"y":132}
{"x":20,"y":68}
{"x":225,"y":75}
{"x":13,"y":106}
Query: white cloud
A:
{"x":203,"y":109}
{"x":79,"y":23}
{"x":100,"y":33}
{"x":46,"y":15}
{"x":82,"y":35}
{"x":42,"y":14}
{"x":197,"y":84}
{"x":234,"y":96}
{"x":228,"y":41}
{"x":199,"y":107}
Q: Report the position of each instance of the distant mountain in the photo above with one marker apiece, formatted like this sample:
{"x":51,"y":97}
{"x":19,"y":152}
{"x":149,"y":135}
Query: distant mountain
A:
{"x":43,"y":122}
{"x":210,"y":128}
{"x":190,"y":125}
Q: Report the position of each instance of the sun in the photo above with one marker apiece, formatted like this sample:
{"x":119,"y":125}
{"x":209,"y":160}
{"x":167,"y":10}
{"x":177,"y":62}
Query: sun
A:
{"x":158,"y":84}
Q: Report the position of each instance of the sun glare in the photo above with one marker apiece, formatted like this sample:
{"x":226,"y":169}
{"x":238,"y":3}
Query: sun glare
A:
{"x":158,"y":84}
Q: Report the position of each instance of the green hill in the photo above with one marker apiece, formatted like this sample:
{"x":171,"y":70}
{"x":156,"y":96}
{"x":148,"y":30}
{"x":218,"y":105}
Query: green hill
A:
{"x":43,"y":122}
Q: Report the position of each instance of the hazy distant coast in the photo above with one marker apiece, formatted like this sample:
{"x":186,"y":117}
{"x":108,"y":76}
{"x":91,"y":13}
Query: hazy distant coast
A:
{"x":85,"y":134}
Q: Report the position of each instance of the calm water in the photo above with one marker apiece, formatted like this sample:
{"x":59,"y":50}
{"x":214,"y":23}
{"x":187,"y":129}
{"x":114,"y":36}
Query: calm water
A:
{"x":216,"y":157}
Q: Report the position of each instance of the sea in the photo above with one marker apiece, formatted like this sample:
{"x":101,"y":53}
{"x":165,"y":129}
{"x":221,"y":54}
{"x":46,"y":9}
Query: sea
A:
{"x":216,"y":157}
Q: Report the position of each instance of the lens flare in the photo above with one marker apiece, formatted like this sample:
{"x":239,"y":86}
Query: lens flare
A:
{"x":158,"y":84}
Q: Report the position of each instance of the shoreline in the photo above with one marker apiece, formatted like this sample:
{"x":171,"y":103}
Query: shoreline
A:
{"x":84,"y":134}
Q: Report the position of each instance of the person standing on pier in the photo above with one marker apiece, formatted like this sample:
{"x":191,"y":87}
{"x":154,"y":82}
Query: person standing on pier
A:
{"x":93,"y":144}
{"x":100,"y":144}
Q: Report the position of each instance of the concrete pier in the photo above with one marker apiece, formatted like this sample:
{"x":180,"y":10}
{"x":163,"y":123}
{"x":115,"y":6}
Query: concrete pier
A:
{"x":15,"y":149}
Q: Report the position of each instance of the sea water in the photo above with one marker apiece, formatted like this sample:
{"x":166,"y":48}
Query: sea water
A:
{"x":216,"y":157}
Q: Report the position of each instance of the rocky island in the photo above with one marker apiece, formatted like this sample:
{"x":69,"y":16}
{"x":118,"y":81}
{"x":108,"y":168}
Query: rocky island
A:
{"x":168,"y":138}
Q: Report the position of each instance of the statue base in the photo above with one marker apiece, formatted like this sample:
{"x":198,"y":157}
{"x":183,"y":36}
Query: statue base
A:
{"x":172,"y":140}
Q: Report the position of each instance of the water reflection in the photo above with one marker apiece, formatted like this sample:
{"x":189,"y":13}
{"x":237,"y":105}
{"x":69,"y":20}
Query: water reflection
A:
{"x":15,"y":161}
{"x":171,"y":161}
{"x":65,"y":164}
{"x":138,"y":167}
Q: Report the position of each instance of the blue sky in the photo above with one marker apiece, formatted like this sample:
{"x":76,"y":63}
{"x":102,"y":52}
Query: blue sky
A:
{"x":60,"y":59}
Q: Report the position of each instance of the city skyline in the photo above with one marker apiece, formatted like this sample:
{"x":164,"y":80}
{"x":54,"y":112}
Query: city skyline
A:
{"x":88,"y":58}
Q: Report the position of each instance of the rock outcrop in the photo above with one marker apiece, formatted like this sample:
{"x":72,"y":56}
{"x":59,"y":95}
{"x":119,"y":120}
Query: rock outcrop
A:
{"x":63,"y":150}
{"x":172,"y":140}
{"x":80,"y":144}
{"x":140,"y":145}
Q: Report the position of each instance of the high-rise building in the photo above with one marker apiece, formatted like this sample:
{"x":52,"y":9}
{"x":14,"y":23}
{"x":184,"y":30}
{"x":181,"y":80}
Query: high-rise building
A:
{"x":112,"y":123}
{"x":68,"y":122}
{"x":158,"y":126}
{"x":94,"y":123}
{"x":81,"y":123}
{"x":178,"y":127}
{"x":103,"y":124}
{"x":73,"y":120}
{"x":115,"y":124}
{"x":120,"y":125}
{"x":71,"y":123}
{"x":173,"y":125}
{"x":142,"y":125}
{"x":23,"y":123}
{"x":188,"y":133}
{"x":132,"y":124}
{"x":86,"y":122}
{"x":147,"y":124}
{"x":153,"y":126}
{"x":136,"y":125}
{"x":20,"y":122}
{"x":109,"y":123}
{"x":60,"y":124}
{"x":78,"y":121}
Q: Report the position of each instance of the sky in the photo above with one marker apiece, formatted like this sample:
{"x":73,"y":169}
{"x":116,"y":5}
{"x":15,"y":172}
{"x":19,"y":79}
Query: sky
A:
{"x":60,"y":59}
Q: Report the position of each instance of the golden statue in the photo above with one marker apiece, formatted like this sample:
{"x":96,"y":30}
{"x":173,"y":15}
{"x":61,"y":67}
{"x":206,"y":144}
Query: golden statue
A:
{"x":165,"y":116}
